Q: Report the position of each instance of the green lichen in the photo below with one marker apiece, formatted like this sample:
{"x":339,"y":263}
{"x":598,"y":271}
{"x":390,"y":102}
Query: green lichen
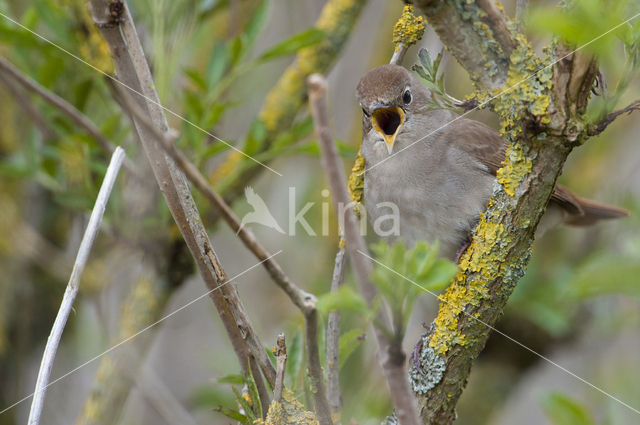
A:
{"x":409,"y":29}
{"x":288,"y":411}
{"x":491,"y":53}
{"x":429,"y":370}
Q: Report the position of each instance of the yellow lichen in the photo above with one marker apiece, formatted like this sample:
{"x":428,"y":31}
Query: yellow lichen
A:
{"x":479,"y":265}
{"x":515,"y":167}
{"x":246,"y":397}
{"x":282,"y":102}
{"x":409,"y":29}
{"x":287,"y":412}
{"x":226,"y":168}
{"x":356,"y":179}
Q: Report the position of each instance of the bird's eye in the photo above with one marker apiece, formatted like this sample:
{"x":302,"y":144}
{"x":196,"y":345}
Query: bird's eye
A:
{"x":406,"y":97}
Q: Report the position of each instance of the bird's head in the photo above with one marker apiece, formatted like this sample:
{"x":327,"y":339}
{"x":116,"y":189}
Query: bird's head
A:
{"x":389,"y":95}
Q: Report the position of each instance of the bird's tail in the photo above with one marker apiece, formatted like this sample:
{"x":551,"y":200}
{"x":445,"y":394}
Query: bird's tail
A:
{"x":593,"y":212}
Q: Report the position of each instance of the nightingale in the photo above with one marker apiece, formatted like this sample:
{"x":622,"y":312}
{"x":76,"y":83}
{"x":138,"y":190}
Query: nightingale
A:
{"x":441,"y":184}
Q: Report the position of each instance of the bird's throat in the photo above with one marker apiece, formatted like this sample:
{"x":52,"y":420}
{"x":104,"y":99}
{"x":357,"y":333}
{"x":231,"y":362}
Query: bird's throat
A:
{"x":388,"y":122}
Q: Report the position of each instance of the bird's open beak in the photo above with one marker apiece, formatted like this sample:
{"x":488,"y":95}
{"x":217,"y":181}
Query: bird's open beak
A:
{"x":388,"y":122}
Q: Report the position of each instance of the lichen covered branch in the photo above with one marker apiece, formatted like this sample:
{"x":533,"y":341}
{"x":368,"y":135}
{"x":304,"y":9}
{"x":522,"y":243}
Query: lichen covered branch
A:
{"x":542,"y":117}
{"x":476,"y":34}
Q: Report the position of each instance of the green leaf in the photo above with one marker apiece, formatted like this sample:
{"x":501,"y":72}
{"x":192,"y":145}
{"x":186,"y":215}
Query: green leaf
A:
{"x":194,"y":76}
{"x":295,"y":356}
{"x":232,"y":414}
{"x":256,"y":24}
{"x":402,"y":274}
{"x":217,"y":64}
{"x":608,"y":275}
{"x":562,"y":410}
{"x":81,"y":92}
{"x":440,"y":276}
{"x":209,"y":396}
{"x":349,"y":341}
{"x":293,"y":44}
{"x":344,"y":299}
{"x":256,"y":135}
{"x":233,"y":379}
{"x":236,"y":50}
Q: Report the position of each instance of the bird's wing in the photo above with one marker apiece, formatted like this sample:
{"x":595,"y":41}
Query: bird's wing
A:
{"x":479,"y":141}
{"x":486,"y":145}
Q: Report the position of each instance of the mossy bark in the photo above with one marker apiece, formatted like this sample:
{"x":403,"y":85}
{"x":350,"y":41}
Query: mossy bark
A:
{"x":542,"y":119}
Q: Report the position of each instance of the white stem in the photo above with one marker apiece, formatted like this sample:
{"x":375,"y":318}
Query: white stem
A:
{"x":72,"y":287}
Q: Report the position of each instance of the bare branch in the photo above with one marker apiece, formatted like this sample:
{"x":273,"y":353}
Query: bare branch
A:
{"x":281,"y":363}
{"x":65,"y":107}
{"x":47,"y":131}
{"x":522,"y":7}
{"x":133,"y":71}
{"x":323,"y":412}
{"x":611,"y":117}
{"x":298,"y":296}
{"x":333,"y":336}
{"x":392,"y":357}
{"x":305,"y":301}
{"x":72,"y":286}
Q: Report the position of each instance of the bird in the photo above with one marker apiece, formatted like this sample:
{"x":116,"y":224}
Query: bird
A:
{"x":436,"y":169}
{"x":260,"y":213}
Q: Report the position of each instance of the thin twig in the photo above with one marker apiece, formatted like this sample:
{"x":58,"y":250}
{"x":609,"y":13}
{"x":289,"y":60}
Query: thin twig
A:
{"x":333,"y":335}
{"x":281,"y":364}
{"x":391,"y":355}
{"x":522,"y":7}
{"x":72,"y":286}
{"x":66,"y":108}
{"x":31,"y":111}
{"x":611,"y":117}
{"x":398,"y":54}
{"x":133,"y":72}
{"x":305,"y":301}
{"x":316,"y":377}
{"x":298,"y":296}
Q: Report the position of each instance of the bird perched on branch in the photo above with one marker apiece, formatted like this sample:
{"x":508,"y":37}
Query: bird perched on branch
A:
{"x":440,"y":177}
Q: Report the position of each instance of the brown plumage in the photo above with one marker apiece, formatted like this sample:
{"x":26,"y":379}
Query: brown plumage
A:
{"x":439,"y":169}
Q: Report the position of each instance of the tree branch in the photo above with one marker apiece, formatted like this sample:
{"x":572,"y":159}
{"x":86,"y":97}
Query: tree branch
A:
{"x":47,"y":131}
{"x":392,"y":357}
{"x":281,"y":364}
{"x":611,"y":117}
{"x":475,"y":34}
{"x":305,"y":301}
{"x":133,"y":71}
{"x":66,"y":108}
{"x":299,"y":297}
{"x":286,"y":98}
{"x":72,"y":286}
{"x":548,"y":106}
{"x":333,"y":335}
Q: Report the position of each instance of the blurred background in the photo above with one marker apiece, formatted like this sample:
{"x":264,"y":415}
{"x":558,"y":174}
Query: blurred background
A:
{"x":214,"y":62}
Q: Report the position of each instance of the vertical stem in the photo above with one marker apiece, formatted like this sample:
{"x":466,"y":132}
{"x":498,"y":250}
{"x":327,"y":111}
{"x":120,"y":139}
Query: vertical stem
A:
{"x":72,"y":287}
{"x":392,"y":358}
{"x":333,"y":337}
